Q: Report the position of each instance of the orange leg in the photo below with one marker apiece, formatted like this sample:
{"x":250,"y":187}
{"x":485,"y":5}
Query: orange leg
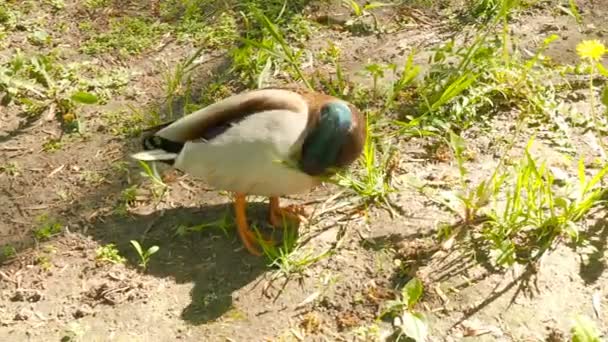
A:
{"x":246,"y":235}
{"x":292,"y":213}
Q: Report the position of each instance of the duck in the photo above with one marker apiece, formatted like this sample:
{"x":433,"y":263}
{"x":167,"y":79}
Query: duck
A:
{"x":269,"y":142}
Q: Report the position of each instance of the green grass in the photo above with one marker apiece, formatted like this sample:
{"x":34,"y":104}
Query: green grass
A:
{"x":125,"y":36}
{"x":46,"y":227}
{"x":109,"y":253}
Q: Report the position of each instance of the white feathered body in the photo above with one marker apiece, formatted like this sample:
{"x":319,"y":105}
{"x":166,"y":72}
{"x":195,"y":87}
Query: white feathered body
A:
{"x":247,"y":157}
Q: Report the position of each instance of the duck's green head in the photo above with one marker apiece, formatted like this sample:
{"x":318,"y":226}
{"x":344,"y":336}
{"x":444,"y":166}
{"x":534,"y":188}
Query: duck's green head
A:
{"x":323,"y":146}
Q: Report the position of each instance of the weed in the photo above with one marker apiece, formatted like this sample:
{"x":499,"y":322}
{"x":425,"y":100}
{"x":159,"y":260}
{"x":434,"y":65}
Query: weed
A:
{"x":126,"y":36}
{"x":584,"y":330}
{"x":92,"y":177}
{"x":39,"y":38}
{"x":373,"y":182}
{"x":471,"y":200}
{"x":406,"y":321}
{"x":8,"y":251}
{"x":96,"y":4}
{"x":11,"y":169}
{"x":44,"y":261}
{"x":179,"y":81}
{"x":109,"y":253}
{"x":211,"y":35}
{"x":56,"y":5}
{"x":359,"y":12}
{"x":534,"y":216}
{"x":125,"y":123}
{"x":271,"y":49}
{"x":591,"y":52}
{"x":39,"y":84}
{"x":46,"y":227}
{"x":127,"y":198}
{"x":158,"y":186}
{"x":289,"y":257}
{"x":52,"y":145}
{"x":223,"y":224}
{"x":144,"y":256}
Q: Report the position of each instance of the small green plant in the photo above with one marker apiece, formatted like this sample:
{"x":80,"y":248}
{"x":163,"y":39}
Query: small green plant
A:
{"x":373,"y":182}
{"x":534,"y":215}
{"x":144,"y":256}
{"x":109,"y":253}
{"x":376,"y":71}
{"x":124,"y":123}
{"x":178,"y":83}
{"x":127,"y":36}
{"x":289,"y":257}
{"x":223,"y":224}
{"x":470,"y":200}
{"x":359,"y":12}
{"x":96,"y":4}
{"x":585,"y":330}
{"x":151,"y":173}
{"x":12,"y":169}
{"x":39,"y":84}
{"x":407,"y":321}
{"x":338,"y":86}
{"x":52,"y":145}
{"x":8,"y":251}
{"x":46,"y":227}
{"x":272,"y":46}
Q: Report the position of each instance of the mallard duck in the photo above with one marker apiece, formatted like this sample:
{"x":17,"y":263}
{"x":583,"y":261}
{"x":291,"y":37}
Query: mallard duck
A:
{"x":268,"y":142}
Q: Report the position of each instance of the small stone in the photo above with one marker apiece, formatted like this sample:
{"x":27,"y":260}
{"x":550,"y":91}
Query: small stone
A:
{"x":23,"y":315}
{"x":84,"y":310}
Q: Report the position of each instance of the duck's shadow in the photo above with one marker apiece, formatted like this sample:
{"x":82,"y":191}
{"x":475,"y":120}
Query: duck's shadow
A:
{"x":212,"y":259}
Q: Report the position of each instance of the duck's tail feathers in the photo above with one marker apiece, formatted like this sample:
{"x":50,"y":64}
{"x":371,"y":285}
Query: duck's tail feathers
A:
{"x":155,"y":155}
{"x":156,"y":148}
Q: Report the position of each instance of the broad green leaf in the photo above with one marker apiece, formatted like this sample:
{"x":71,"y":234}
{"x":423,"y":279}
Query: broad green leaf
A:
{"x":373,"y":5}
{"x":412,"y":291}
{"x":153,"y":250}
{"x":414,"y":326}
{"x":137,"y":247}
{"x":84,"y":97}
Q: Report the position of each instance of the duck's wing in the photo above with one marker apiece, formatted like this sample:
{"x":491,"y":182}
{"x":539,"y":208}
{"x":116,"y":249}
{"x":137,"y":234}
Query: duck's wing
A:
{"x":164,"y":142}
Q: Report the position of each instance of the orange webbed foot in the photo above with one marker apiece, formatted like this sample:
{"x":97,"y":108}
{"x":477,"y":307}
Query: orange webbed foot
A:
{"x":291,"y":213}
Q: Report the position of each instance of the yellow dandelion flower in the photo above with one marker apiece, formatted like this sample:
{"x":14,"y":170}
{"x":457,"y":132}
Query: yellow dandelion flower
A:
{"x":591,"y":49}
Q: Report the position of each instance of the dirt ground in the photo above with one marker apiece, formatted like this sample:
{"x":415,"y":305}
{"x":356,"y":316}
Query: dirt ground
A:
{"x":203,"y":286}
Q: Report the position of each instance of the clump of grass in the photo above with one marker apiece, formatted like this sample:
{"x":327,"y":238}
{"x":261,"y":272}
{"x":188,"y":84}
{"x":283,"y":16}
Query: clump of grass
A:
{"x":223,"y":224}
{"x":159,"y":187}
{"x":127,"y":199}
{"x":40,"y":84}
{"x":289,"y":257}
{"x":212,"y":34}
{"x":585,"y":330}
{"x":255,"y":60}
{"x":11,"y":169}
{"x":8,"y":251}
{"x":373,"y":181}
{"x":126,"y":36}
{"x":46,"y":227}
{"x":109,"y":253}
{"x":534,"y":215}
{"x":125,"y":123}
